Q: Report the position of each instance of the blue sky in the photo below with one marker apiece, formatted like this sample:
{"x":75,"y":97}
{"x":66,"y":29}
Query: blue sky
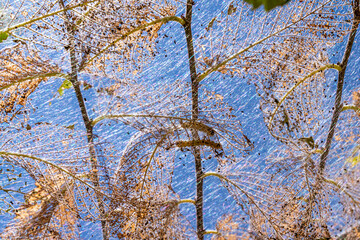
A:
{"x":170,"y":65}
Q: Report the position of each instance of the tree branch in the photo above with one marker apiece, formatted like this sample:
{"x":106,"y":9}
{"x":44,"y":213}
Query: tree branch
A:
{"x":199,"y":201}
{"x":186,"y":201}
{"x":338,"y":104}
{"x":350,"y":107}
{"x":211,"y":232}
{"x":87,"y":122}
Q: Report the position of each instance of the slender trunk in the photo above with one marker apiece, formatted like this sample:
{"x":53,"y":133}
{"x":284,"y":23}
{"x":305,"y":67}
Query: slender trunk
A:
{"x":339,"y":90}
{"x":87,"y":122}
{"x":93,"y":160}
{"x":199,"y":201}
{"x":337,"y":108}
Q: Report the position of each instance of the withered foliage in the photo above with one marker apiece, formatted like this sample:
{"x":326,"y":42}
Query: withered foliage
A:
{"x":305,"y":189}
{"x":230,"y":227}
{"x":21,"y":71}
{"x":143,"y":198}
{"x":123,"y":48}
{"x":289,"y":65}
{"x":295,"y":101}
{"x":289,"y":49}
{"x":48,"y":212}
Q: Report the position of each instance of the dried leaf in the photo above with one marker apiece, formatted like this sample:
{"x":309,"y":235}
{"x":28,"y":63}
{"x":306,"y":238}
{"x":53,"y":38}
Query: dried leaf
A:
{"x":21,"y":72}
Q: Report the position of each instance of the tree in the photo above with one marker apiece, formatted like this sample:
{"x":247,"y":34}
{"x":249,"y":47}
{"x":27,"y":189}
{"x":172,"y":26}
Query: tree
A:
{"x":84,"y":172}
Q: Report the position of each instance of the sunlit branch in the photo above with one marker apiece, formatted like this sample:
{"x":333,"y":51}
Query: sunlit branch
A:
{"x":98,"y":119}
{"x":139,"y":28}
{"x":211,"y":232}
{"x":221,"y":177}
{"x":46,"y":15}
{"x":329,"y":66}
{"x":223,"y":63}
{"x":11,"y":154}
{"x":186,"y":201}
{"x":44,"y":75}
{"x":350,"y":107}
{"x":317,"y":151}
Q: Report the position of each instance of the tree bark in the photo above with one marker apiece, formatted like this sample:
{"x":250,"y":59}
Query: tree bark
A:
{"x":338,"y":104}
{"x":87,"y":122}
{"x":199,"y":201}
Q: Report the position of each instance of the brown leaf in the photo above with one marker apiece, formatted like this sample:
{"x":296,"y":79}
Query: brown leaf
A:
{"x":47,"y":211}
{"x":21,"y":72}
